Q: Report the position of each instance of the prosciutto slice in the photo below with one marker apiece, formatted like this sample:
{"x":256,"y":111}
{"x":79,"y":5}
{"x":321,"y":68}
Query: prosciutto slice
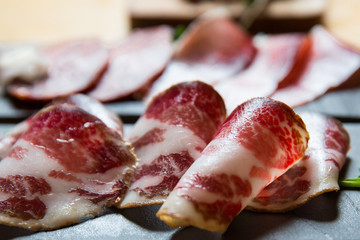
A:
{"x":65,"y":165}
{"x":134,"y":64}
{"x":73,"y":67}
{"x":317,"y":172}
{"x":210,"y":50}
{"x":280,"y":58}
{"x":330,"y":65}
{"x":171,"y":134}
{"x":258,"y":142}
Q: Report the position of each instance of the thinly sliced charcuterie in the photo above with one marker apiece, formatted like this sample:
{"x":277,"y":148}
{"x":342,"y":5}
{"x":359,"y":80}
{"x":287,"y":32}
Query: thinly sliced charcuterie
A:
{"x":82,"y":101}
{"x":95,"y":108}
{"x":65,"y":165}
{"x":280,"y":58}
{"x":330,"y":65}
{"x":73,"y":67}
{"x":134,"y":64}
{"x":317,"y":172}
{"x":212,"y":49}
{"x":171,"y":134}
{"x":258,"y":142}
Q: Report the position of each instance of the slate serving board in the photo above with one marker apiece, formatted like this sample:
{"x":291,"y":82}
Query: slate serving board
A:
{"x":334,"y":215}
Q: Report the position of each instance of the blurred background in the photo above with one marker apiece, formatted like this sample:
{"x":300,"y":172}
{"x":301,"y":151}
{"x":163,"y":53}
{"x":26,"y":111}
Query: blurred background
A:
{"x":46,"y":21}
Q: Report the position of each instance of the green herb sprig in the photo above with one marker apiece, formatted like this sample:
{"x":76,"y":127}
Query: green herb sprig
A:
{"x":350,"y":182}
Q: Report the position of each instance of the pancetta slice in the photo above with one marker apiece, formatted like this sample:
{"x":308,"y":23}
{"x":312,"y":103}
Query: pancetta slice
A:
{"x":280,"y":57}
{"x":210,"y":50}
{"x":66,"y":165}
{"x":135,"y":63}
{"x":317,"y":172}
{"x":171,"y":134}
{"x":329,"y":66}
{"x":258,"y":142}
{"x":73,"y":67}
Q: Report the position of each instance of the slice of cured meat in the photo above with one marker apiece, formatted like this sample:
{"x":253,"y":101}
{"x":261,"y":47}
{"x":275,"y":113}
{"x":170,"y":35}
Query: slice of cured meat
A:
{"x":135,"y":63}
{"x":82,"y":101}
{"x":66,"y":165}
{"x":175,"y":128}
{"x":73,"y":67}
{"x":280,"y":57}
{"x":317,"y":172}
{"x":258,"y":142}
{"x":210,"y":50}
{"x":330,"y":65}
{"x":95,"y":108}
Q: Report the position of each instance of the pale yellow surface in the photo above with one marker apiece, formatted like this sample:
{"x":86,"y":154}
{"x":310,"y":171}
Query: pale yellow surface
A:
{"x":342,"y":18}
{"x":55,"y":20}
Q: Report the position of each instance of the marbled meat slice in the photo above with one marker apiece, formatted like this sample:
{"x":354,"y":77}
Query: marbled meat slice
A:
{"x":317,"y":172}
{"x":330,"y":65}
{"x":280,"y":58}
{"x":210,"y":50}
{"x":80,"y":100}
{"x":74,"y":67}
{"x":134,"y":64}
{"x":66,"y":165}
{"x":175,"y":128}
{"x":258,"y":142}
{"x":95,"y":108}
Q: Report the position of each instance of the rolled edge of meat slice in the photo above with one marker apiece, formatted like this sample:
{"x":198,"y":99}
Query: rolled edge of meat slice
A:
{"x":210,"y":50}
{"x":67,"y":164}
{"x":316,"y":173}
{"x":257,"y":143}
{"x":175,"y":128}
{"x":134,"y":64}
{"x":280,"y":59}
{"x":327,"y":53}
{"x":74,"y":66}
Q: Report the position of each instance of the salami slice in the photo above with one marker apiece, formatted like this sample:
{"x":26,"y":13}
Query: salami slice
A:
{"x":134,"y":64}
{"x":258,"y":142}
{"x":280,"y":58}
{"x":73,"y":67}
{"x":317,"y":172}
{"x":210,"y":50}
{"x":65,"y":165}
{"x":175,"y":128}
{"x":330,"y":65}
